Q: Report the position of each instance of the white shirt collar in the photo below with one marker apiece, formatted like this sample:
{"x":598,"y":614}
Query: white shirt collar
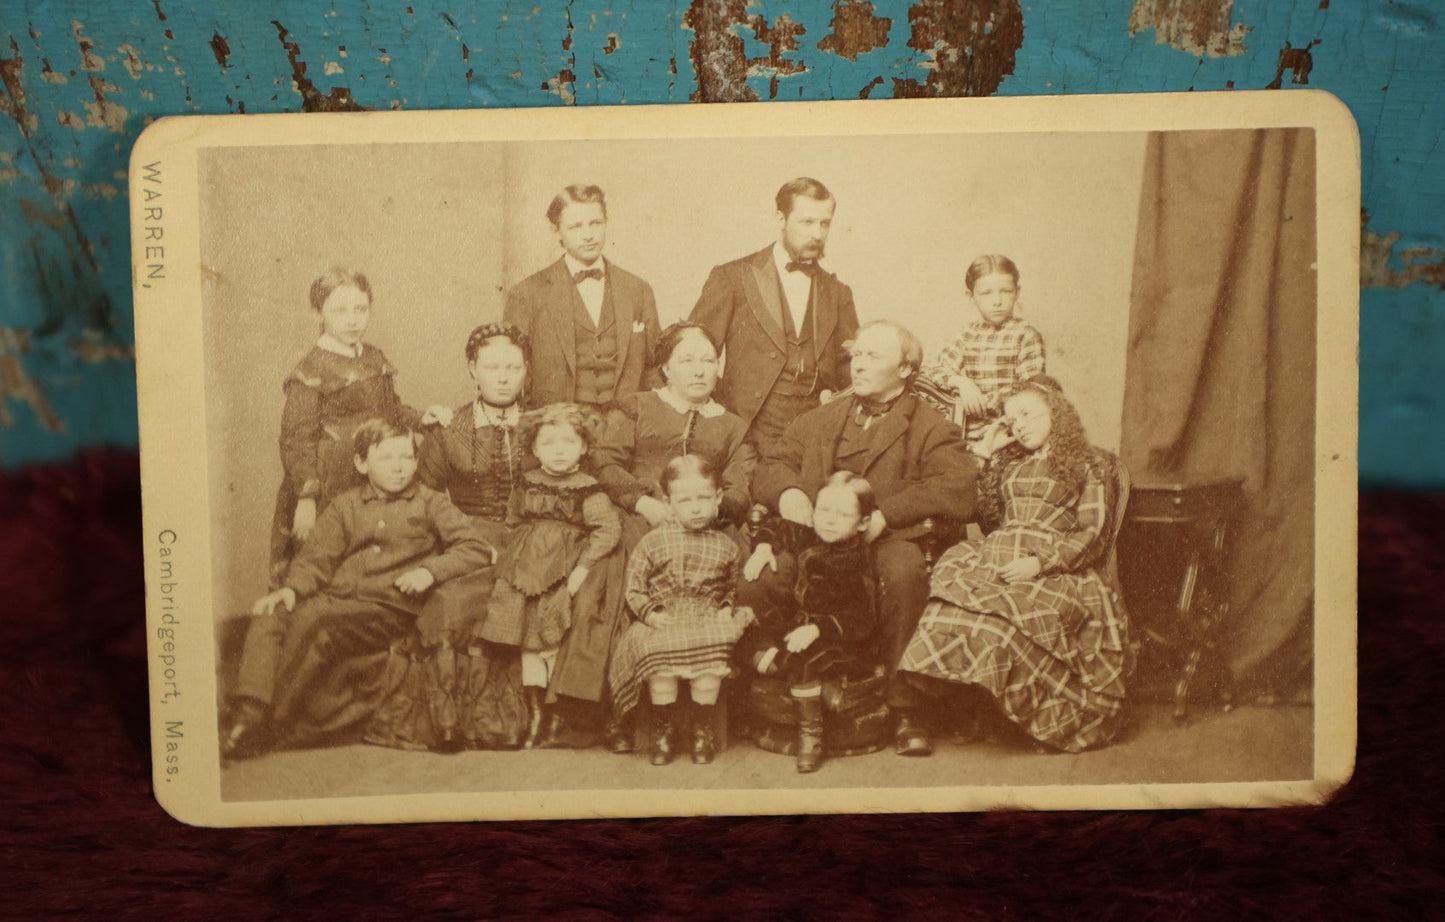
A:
{"x":481,"y":418}
{"x":706,"y":411}
{"x":574,"y":267}
{"x":781,"y":258}
{"x":332,"y":344}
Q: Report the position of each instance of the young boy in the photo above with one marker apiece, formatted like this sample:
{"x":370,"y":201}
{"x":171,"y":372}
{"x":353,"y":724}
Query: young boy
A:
{"x":825,"y":635}
{"x":356,"y":585}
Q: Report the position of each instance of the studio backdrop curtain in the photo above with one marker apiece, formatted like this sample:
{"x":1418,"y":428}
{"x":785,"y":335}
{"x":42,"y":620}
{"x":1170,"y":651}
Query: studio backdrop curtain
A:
{"x":1220,"y":374}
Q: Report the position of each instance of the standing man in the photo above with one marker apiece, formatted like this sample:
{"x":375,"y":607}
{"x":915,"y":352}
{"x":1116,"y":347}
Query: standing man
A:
{"x":782,"y":318}
{"x":913,"y":458}
{"x":593,"y":324}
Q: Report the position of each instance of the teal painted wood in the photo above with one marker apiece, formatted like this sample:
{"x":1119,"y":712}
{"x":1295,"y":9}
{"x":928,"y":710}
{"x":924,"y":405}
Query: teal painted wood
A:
{"x":81,"y":80}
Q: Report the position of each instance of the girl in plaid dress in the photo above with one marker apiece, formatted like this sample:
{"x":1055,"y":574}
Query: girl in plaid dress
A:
{"x":993,"y":353}
{"x":1022,"y":617}
{"x":564,"y":525}
{"x":681,"y":581}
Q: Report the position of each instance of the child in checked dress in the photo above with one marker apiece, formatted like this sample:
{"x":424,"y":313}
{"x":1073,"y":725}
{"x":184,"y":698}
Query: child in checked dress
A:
{"x":681,"y":581}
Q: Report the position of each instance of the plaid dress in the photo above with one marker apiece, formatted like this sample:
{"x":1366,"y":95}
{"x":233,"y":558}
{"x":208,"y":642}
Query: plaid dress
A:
{"x":1052,"y":650}
{"x":992,"y":357}
{"x":691,"y":576}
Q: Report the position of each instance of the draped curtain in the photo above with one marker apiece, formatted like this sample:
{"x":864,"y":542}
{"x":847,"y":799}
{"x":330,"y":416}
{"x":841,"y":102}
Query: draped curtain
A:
{"x":1220,"y":374}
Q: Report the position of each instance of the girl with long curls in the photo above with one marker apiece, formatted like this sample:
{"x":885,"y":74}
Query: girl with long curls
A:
{"x":1022,"y":618}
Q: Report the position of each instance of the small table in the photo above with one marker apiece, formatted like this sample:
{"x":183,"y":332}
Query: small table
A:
{"x":1172,"y":555}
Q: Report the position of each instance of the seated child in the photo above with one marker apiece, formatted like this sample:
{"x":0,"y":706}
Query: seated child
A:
{"x":356,"y":585}
{"x":994,"y":352}
{"x":565,"y":525}
{"x":827,"y":633}
{"x":681,"y":581}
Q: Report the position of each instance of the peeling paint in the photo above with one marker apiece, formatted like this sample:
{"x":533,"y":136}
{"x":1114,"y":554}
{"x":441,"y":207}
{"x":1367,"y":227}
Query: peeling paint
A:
{"x":718,"y":55}
{"x":13,"y":104}
{"x":781,"y":36}
{"x":94,"y":347}
{"x":50,"y":75}
{"x":1198,"y":27}
{"x":131,"y":60}
{"x":1298,"y":60}
{"x":337,"y":100}
{"x":103,"y":113}
{"x":562,"y":85}
{"x":970,"y":46}
{"x":17,"y":386}
{"x":220,"y":48}
{"x":1419,"y":265}
{"x":89,"y":60}
{"x":331,"y":68}
{"x":613,"y":43}
{"x":855,"y":30}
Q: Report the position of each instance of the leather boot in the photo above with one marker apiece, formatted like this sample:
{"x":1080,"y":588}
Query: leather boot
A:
{"x":810,"y":732}
{"x":704,"y":741}
{"x":247,"y":733}
{"x":536,"y":697}
{"x":912,"y":737}
{"x":664,"y":733}
{"x":619,"y":733}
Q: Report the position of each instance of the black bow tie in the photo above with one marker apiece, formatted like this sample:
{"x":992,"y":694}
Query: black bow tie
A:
{"x":807,"y":268}
{"x":871,"y":409}
{"x":577,"y":277}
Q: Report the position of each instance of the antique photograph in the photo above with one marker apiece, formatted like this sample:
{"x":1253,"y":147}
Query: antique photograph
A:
{"x":826,"y":458}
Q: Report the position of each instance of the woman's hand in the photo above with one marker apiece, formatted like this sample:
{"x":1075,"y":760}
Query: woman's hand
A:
{"x":654,"y":510}
{"x":801,"y":638}
{"x":266,"y":605}
{"x":1020,"y":569}
{"x":414,"y":582}
{"x":994,"y":437}
{"x":762,"y":557}
{"x":657,"y":618}
{"x":437,"y":415}
{"x":304,"y":518}
{"x":969,"y":396}
{"x":575,"y":579}
{"x":795,"y":506}
{"x":876,"y":525}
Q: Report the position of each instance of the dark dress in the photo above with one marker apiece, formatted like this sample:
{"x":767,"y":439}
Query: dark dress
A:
{"x":327,"y":396}
{"x":449,"y":684}
{"x":323,"y":667}
{"x":1053,"y":651}
{"x":560,"y":523}
{"x":837,"y":590}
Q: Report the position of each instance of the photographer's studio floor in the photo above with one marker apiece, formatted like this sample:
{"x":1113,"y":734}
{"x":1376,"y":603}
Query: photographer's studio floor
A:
{"x":1247,"y":743}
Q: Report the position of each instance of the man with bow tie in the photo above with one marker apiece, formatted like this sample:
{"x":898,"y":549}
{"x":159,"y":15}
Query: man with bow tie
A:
{"x":782,"y":318}
{"x":912,"y":456}
{"x":593,"y":324}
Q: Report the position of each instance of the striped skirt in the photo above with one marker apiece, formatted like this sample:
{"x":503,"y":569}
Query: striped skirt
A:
{"x":699,"y":646}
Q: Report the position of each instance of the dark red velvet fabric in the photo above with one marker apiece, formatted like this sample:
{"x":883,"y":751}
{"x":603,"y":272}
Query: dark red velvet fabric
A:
{"x":82,"y":834}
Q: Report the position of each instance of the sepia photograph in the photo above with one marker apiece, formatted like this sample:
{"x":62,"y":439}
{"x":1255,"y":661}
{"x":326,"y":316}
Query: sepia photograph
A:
{"x":834,"y":457}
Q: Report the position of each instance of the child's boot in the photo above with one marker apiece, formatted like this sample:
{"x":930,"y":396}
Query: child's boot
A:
{"x":536,"y":698}
{"x":810,"y":732}
{"x":619,"y":733}
{"x":664,"y":733}
{"x":704,"y":741}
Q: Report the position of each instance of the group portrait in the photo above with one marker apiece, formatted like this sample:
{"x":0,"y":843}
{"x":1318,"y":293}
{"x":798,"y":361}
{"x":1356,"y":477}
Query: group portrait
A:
{"x":862,"y":461}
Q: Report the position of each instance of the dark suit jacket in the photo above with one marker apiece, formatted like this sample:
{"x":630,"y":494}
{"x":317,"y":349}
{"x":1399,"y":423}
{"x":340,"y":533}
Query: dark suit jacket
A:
{"x":917,"y":464}
{"x":741,"y":306}
{"x":542,"y":304}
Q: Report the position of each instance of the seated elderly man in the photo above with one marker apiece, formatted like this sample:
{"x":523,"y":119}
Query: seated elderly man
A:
{"x":913,"y":457}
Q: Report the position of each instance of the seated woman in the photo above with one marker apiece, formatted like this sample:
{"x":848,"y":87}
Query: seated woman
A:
{"x":1021,"y":618}
{"x":646,"y":430}
{"x":456,"y":690}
